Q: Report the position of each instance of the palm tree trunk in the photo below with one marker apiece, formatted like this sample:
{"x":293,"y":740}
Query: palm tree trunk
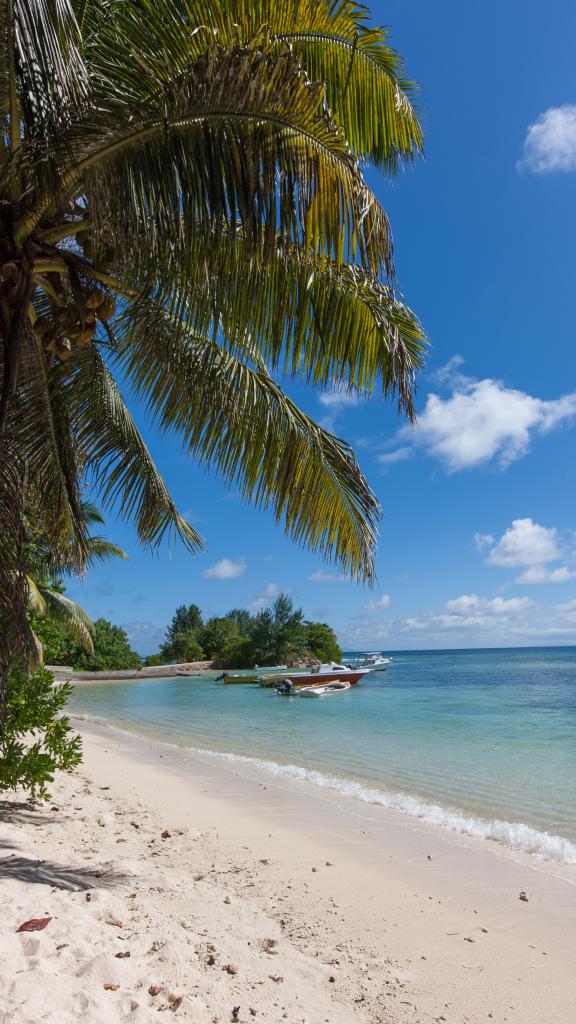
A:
{"x":14,"y":629}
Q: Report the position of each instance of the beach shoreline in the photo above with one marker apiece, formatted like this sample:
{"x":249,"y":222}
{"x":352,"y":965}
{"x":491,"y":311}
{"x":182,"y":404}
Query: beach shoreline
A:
{"x":412,"y":922}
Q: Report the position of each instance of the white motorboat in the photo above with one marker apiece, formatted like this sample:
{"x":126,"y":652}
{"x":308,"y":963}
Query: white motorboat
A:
{"x":337,"y":686}
{"x":374,"y":662}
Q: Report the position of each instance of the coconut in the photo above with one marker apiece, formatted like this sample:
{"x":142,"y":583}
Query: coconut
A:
{"x":93,"y":298}
{"x":64,"y":349}
{"x":41,"y":326}
{"x":108,"y":256}
{"x":85,"y":337}
{"x":107,"y":307}
{"x":51,"y":341}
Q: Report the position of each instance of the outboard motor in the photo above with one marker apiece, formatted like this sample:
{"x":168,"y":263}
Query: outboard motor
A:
{"x":284,"y":688}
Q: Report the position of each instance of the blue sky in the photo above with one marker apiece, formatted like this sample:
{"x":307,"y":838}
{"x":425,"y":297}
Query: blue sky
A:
{"x":478,"y":543}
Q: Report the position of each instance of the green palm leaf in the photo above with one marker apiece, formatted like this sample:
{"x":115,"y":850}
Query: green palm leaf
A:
{"x":61,"y":610}
{"x":366,"y":85}
{"x":239,"y":420}
{"x":36,"y":602}
{"x":101,"y":550}
{"x":307,"y":317}
{"x":117,"y":460}
{"x":242,"y":137}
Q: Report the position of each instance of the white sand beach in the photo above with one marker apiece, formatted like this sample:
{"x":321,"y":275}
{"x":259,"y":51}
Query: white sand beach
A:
{"x":218,"y":895}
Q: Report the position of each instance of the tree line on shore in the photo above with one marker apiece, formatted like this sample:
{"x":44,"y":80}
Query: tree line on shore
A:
{"x":241,"y":639}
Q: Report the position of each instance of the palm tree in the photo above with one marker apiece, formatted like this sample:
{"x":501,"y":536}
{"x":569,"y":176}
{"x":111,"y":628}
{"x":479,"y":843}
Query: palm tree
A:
{"x":184,"y":216}
{"x":45,"y":565}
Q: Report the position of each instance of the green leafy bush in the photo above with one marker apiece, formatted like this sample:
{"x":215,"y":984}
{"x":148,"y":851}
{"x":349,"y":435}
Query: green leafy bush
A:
{"x":37,"y":739}
{"x":111,"y":650}
{"x":239,"y":653}
{"x":320,"y":640}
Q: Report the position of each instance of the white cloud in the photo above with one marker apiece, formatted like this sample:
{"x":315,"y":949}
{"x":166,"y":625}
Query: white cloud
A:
{"x":327,"y":577}
{"x":530,"y":546}
{"x":264,"y":599}
{"x":225,"y":569}
{"x":467,"y":621}
{"x":400,"y":455}
{"x":538,"y":574}
{"x":144,"y":637}
{"x":550,"y":143}
{"x":379,"y":605}
{"x":484,"y":420}
{"x":336,"y":401}
{"x":472,"y":603}
{"x":463,"y":605}
{"x":483,"y":541}
{"x":448,"y":373}
{"x":481,"y":420}
{"x":567,"y":612}
{"x":525,"y":543}
{"x":567,"y":606}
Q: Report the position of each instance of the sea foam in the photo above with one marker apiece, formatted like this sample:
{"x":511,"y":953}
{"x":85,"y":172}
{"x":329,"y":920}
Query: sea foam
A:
{"x":512,"y":834}
{"x":515,"y":835}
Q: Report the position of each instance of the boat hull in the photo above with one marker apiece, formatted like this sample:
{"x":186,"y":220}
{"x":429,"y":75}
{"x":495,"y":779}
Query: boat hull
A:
{"x":315,"y":678}
{"x":253,"y":677}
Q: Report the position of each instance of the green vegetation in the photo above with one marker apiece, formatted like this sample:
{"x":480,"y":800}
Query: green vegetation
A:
{"x":60,"y":624}
{"x":36,"y":739}
{"x":319,"y":638}
{"x":240,"y":639}
{"x":111,"y":650}
{"x":110,"y":646}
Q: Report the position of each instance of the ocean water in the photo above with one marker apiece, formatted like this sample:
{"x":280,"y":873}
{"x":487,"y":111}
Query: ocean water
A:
{"x":482,"y":742}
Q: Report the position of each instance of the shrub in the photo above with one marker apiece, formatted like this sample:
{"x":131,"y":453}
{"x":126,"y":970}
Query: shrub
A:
{"x":239,"y":653}
{"x":111,"y":650}
{"x":37,"y":739}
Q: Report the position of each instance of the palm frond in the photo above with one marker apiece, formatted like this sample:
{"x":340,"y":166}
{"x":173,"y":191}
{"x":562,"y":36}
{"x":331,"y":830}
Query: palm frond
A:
{"x":243,"y":137}
{"x":239,"y":421}
{"x":366,"y":85}
{"x":92,"y":513}
{"x":36,"y":602}
{"x":117,"y":460}
{"x":306,"y":316}
{"x":51,"y":78}
{"x":101,"y":550}
{"x":49,"y":447}
{"x":60,"y":609}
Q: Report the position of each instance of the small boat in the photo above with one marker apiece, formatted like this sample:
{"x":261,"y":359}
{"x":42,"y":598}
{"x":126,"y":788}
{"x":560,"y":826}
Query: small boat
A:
{"x":316,"y":677}
{"x":252,"y":675}
{"x":374,"y":662}
{"x":337,"y":686}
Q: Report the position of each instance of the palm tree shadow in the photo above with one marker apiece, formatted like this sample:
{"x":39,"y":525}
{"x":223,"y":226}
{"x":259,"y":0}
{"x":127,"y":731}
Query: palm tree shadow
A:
{"x":23,"y":814}
{"x":48,"y":872}
{"x":59,"y":876}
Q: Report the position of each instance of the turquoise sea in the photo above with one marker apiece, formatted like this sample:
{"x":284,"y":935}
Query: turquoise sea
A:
{"x":479,"y":741}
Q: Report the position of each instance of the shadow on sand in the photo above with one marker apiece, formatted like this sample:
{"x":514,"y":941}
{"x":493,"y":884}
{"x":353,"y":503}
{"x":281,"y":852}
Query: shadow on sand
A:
{"x":47,"y":872}
{"x":13,"y":813}
{"x":60,"y":876}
